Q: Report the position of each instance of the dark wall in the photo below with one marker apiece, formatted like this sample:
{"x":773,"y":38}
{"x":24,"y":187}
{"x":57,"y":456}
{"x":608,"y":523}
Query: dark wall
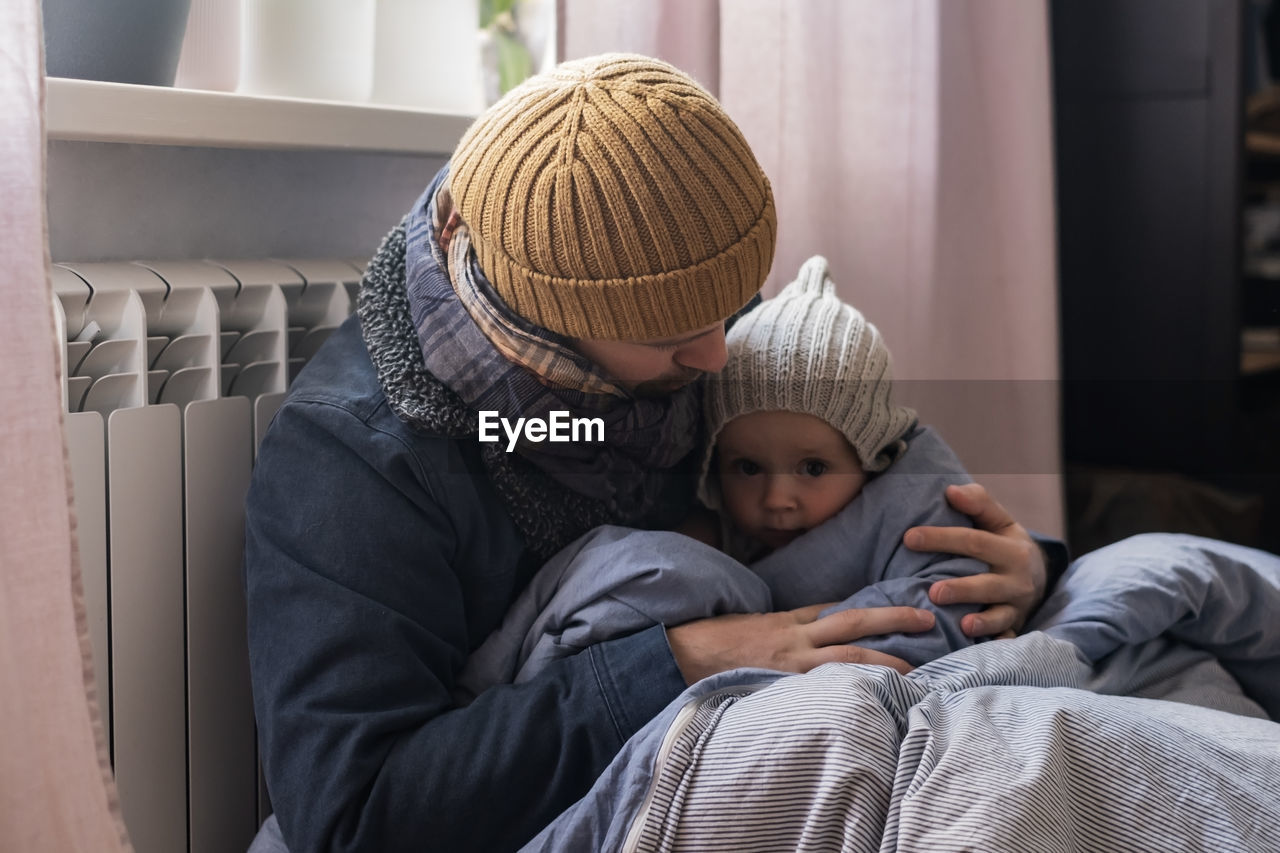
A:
{"x":1148,"y":133}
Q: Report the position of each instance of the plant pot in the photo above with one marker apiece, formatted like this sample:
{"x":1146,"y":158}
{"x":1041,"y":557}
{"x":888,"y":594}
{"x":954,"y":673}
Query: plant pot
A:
{"x":120,"y":41}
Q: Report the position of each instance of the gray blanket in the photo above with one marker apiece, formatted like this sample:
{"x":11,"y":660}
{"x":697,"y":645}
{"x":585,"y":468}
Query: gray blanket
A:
{"x":615,"y":581}
{"x":998,"y":746}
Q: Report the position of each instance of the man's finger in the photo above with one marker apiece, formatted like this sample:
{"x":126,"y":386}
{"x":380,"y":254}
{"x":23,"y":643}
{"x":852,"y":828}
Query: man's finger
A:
{"x":857,"y":654}
{"x":846,"y":626}
{"x":993,"y":620}
{"x":986,"y":588}
{"x":991,"y":548}
{"x":974,"y":501}
{"x":951,"y":540}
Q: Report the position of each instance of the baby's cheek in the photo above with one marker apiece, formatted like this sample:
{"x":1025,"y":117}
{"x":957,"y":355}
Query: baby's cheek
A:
{"x":737,"y":503}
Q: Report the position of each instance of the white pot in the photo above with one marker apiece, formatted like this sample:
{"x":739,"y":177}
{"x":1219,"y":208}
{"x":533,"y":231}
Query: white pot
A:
{"x":211,"y":47}
{"x":319,"y":49}
{"x":428,"y":55}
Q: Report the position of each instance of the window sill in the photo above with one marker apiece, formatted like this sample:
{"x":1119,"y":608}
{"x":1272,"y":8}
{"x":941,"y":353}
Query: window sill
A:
{"x":87,"y":110}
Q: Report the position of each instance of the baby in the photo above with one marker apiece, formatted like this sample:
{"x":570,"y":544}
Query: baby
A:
{"x":798,"y":420}
{"x":815,"y":474}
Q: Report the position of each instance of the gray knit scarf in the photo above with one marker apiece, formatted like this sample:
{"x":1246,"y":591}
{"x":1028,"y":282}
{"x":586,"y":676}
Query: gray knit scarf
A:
{"x":497,"y":361}
{"x":549,"y":513}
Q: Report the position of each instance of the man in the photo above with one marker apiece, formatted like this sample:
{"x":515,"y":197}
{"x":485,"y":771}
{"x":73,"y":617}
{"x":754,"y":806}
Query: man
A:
{"x":582,"y":252}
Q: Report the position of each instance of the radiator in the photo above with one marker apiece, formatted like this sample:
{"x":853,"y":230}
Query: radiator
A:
{"x":173,"y":371}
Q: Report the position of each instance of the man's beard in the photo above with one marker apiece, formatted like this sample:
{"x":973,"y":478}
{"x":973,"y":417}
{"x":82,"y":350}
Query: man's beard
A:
{"x":666,"y":385}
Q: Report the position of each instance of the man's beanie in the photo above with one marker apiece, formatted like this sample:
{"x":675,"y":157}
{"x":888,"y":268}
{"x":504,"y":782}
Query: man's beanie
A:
{"x":613,"y":198}
{"x":807,"y":351}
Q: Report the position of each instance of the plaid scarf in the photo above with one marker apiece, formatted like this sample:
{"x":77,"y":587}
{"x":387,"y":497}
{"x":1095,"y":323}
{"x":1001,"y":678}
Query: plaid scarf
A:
{"x":495,"y":360}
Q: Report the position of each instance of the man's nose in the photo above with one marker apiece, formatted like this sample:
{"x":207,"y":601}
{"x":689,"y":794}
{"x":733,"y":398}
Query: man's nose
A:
{"x":706,"y":353}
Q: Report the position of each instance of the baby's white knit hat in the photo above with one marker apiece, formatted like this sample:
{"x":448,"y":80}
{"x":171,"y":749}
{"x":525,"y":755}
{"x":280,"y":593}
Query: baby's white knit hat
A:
{"x":807,"y":351}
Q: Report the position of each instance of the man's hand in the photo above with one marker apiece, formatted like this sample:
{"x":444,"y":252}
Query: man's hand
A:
{"x":1015,"y":585}
{"x":791,"y":640}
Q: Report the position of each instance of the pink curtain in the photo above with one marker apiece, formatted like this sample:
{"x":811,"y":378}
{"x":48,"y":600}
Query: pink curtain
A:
{"x":910,"y":142}
{"x":56,"y":793}
{"x":685,"y":33}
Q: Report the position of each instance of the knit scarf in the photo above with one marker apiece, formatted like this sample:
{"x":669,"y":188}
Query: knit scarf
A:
{"x":471,"y":353}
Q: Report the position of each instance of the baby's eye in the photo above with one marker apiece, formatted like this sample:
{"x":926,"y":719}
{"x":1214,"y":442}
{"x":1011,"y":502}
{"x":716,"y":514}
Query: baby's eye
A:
{"x":746,"y":467}
{"x":815,"y":468}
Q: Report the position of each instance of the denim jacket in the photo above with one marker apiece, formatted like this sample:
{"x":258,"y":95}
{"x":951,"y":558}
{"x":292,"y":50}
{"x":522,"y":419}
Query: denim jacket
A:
{"x":377,"y":558}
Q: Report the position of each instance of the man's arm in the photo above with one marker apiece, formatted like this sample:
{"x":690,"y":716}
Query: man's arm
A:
{"x":357,"y":625}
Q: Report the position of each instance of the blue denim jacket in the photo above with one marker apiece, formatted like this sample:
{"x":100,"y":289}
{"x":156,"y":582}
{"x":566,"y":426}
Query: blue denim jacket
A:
{"x":377,"y":557}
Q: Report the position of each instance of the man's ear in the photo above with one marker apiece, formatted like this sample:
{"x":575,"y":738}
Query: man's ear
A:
{"x":450,"y":226}
{"x":446,"y":218}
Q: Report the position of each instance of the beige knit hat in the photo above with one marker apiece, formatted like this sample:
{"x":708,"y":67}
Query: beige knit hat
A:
{"x":613,"y":198}
{"x":806,"y":351}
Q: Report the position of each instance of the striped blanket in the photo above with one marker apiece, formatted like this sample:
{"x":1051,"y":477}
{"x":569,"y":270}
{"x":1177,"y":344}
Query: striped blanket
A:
{"x":1009,"y":745}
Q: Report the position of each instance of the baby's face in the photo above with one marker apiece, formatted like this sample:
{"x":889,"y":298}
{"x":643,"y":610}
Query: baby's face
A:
{"x":782,"y":473}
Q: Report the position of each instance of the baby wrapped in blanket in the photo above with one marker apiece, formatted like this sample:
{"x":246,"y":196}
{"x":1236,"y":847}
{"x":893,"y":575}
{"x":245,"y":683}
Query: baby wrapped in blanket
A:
{"x":814,"y":475}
